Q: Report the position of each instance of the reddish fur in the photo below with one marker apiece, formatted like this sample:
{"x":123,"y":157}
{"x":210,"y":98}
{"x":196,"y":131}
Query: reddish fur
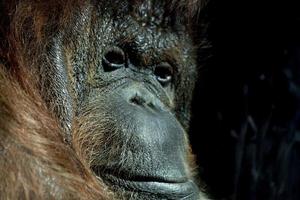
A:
{"x":35,"y":161}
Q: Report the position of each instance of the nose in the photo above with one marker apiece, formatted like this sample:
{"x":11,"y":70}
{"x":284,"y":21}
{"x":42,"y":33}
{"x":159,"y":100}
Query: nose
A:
{"x":138,"y":95}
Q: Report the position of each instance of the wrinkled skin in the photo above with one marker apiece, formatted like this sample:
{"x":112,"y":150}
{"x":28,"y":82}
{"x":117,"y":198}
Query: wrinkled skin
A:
{"x":120,"y":81}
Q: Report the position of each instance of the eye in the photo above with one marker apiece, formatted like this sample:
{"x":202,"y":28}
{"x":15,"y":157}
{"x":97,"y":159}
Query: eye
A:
{"x":113,"y":58}
{"x":164,"y":73}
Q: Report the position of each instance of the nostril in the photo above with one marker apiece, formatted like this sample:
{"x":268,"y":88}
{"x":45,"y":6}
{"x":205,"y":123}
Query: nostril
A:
{"x":139,"y":96}
{"x":140,"y":101}
{"x":137,"y":100}
{"x":151,"y":105}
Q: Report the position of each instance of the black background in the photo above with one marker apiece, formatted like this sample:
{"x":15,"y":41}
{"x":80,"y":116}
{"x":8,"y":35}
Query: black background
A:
{"x":246,"y":111}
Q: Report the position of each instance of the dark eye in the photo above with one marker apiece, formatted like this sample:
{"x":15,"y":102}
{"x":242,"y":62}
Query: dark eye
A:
{"x":114,"y":58}
{"x":164,"y":73}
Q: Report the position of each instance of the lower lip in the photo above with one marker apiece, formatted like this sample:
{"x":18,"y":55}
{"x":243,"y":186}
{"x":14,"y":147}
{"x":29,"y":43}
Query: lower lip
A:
{"x":184,"y":190}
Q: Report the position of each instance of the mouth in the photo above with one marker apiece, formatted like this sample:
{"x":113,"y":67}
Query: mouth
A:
{"x":163,"y":188}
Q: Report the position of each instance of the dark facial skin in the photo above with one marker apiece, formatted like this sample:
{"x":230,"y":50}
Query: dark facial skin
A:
{"x":123,"y":78}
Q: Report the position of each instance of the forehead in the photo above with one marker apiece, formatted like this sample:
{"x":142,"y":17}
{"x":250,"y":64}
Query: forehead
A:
{"x":147,"y":12}
{"x":145,"y":24}
{"x":151,"y":13}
